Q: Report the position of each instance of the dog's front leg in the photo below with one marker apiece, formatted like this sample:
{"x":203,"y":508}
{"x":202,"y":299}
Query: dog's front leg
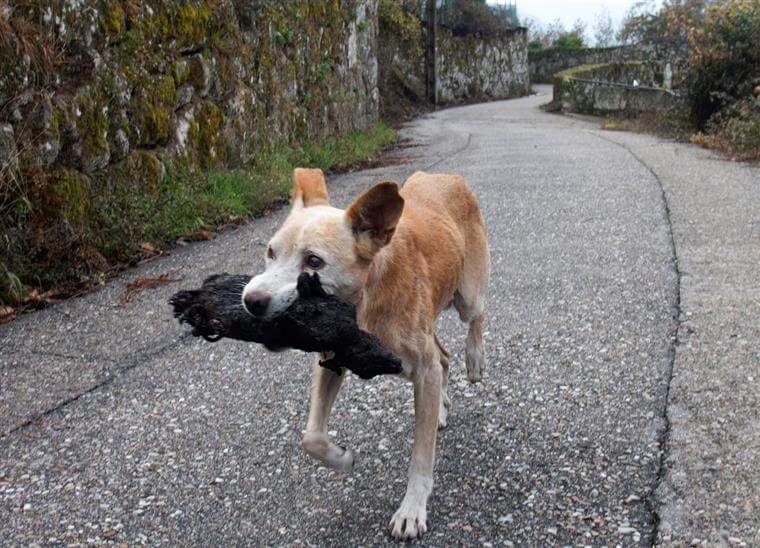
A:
{"x":409,"y":521}
{"x":324,"y":390}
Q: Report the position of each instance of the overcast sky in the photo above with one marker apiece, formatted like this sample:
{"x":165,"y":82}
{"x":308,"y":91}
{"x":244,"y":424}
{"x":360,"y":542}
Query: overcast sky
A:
{"x":568,"y":11}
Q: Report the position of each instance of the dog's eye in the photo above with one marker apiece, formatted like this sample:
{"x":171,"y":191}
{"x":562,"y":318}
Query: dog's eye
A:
{"x":270,"y":253}
{"x":314,"y":262}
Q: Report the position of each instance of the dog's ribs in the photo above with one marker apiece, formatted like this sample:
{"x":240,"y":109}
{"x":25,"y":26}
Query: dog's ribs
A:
{"x":314,"y":322}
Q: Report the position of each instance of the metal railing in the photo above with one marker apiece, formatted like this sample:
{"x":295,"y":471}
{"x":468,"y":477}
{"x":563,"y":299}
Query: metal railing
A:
{"x":626,"y":86}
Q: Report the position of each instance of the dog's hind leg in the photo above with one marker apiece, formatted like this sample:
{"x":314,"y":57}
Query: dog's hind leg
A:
{"x":315,"y":441}
{"x":445,"y":400}
{"x":469,"y":300}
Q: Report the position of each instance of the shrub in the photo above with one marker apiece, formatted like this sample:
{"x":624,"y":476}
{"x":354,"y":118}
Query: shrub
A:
{"x":569,"y":40}
{"x":715,"y":46}
{"x":398,"y":18}
{"x":472,"y":17}
{"x":724,"y":59}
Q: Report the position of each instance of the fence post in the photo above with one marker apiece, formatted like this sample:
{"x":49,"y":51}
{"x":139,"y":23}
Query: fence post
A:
{"x":430,"y":76}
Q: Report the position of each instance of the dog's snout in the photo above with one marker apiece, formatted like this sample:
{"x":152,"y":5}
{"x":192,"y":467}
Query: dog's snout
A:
{"x":256,"y":302}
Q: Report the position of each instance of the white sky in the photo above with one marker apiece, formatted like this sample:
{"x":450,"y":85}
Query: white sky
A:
{"x":568,"y":11}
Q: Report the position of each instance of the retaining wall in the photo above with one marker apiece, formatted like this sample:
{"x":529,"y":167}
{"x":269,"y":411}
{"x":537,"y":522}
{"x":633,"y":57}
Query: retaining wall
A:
{"x":544,"y":64}
{"x":468,"y":68}
{"x":612,"y":88}
{"x":87,"y":85}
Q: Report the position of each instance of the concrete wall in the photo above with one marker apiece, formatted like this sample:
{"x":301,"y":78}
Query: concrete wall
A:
{"x":102,"y":86}
{"x":583,"y":89}
{"x":544,"y":64}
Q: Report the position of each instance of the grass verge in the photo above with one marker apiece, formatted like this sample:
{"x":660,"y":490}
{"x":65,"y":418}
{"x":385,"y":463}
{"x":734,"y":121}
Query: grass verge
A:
{"x":79,"y":247}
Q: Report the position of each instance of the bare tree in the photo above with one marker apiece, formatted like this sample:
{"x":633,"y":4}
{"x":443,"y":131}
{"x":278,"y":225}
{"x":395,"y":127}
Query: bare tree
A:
{"x":535,"y":32}
{"x":554,"y":31}
{"x":604,"y":30}
{"x":579,"y":29}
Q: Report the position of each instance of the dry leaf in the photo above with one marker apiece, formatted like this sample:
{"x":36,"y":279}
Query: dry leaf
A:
{"x":145,"y":246}
{"x":32,"y":296}
{"x":136,"y":286}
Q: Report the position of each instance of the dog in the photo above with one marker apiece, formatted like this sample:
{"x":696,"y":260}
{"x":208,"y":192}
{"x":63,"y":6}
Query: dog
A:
{"x":401,"y":256}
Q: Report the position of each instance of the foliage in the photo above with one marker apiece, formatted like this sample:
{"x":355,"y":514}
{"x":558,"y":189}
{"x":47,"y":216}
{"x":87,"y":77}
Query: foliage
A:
{"x":723,"y":81}
{"x":664,"y":29}
{"x":724,"y":58}
{"x":555,"y":35}
{"x":102,"y":228}
{"x":715,"y":43}
{"x":569,"y":41}
{"x":473,"y":17}
{"x":399,"y":18}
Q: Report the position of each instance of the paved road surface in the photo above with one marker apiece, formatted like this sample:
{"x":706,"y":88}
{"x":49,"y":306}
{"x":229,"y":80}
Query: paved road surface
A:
{"x":619,"y":261}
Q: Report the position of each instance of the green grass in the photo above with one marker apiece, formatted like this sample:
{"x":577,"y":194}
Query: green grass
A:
{"x":186,"y":204}
{"x":192,"y":203}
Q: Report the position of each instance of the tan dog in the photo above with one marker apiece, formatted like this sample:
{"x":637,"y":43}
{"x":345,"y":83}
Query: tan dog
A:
{"x":401,"y":257}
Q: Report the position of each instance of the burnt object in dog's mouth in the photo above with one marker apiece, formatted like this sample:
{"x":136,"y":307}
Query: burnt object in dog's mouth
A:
{"x":314,"y":322}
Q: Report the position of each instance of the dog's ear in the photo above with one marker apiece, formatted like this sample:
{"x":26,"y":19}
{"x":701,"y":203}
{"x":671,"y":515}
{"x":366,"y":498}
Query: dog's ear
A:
{"x":309,"y":188}
{"x":373,"y":217}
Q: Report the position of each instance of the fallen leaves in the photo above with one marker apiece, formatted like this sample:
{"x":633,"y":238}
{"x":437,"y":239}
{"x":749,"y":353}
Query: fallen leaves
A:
{"x":31,"y":301}
{"x":150,"y":249}
{"x":138,"y":285}
{"x":7,"y":313}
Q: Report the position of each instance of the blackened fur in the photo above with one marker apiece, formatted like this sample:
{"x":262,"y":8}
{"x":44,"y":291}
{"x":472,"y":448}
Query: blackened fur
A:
{"x":314,"y":322}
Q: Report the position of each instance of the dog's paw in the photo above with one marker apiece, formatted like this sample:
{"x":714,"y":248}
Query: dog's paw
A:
{"x":343,"y":462}
{"x":476,"y":364}
{"x":409,"y":521}
{"x":321,"y":448}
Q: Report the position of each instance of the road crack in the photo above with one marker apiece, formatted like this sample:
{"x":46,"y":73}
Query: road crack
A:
{"x":661,"y":422}
{"x":453,"y":154}
{"x":140,"y":358}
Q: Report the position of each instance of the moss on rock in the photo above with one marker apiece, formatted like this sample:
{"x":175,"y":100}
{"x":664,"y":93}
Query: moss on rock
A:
{"x":93,"y":128}
{"x":72,"y":194}
{"x":151,"y":108}
{"x":191,"y":24}
{"x":112,"y":19}
{"x":146,"y":88}
{"x":205,"y":135}
{"x":140,"y":173}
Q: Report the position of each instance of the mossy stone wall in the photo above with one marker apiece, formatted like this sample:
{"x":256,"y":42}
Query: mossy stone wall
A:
{"x":103,"y":101}
{"x":180,"y":78}
{"x":468,"y":68}
{"x":545,"y":63}
{"x":584,"y":89}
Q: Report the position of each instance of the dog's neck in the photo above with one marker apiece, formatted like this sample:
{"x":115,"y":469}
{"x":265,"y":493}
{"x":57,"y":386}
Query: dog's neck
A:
{"x":382,"y":292}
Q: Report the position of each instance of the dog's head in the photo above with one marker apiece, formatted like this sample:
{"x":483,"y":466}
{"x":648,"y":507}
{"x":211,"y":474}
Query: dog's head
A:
{"x":316,"y":237}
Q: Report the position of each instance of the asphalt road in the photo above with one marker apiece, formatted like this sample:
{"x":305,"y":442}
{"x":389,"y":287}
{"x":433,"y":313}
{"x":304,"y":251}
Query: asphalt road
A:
{"x":621,"y":321}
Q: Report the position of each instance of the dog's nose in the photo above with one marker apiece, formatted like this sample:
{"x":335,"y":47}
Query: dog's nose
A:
{"x":256,"y":302}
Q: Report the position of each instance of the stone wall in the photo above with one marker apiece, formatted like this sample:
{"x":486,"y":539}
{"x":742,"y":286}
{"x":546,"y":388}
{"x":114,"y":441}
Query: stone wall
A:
{"x":468,"y":68}
{"x":544,"y":64}
{"x":108,"y":89}
{"x":124,"y":123}
{"x":473,"y":69}
{"x":629,"y":88}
